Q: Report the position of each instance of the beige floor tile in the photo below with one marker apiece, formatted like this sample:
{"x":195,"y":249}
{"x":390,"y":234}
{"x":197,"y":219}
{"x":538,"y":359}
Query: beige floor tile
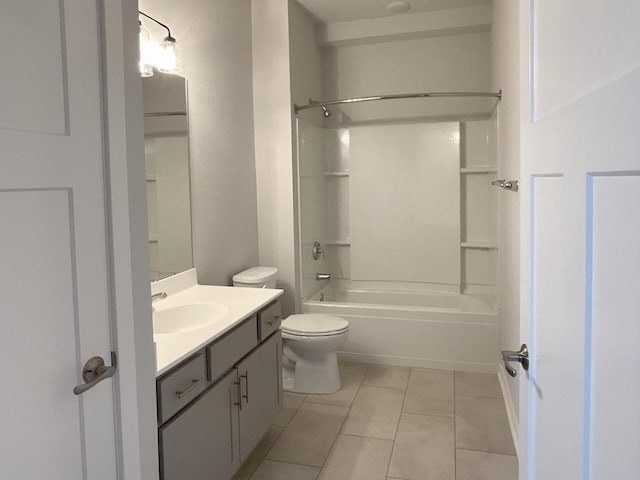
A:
{"x":424,"y":449}
{"x":482,"y":384}
{"x":351,"y":375}
{"x":482,"y":424}
{"x":310,"y":434}
{"x":485,"y":466}
{"x":357,"y":458}
{"x":258,"y":454}
{"x":430,"y":392}
{"x":375,"y":413}
{"x":290,"y":404}
{"x":270,"y":470}
{"x":387,"y":376}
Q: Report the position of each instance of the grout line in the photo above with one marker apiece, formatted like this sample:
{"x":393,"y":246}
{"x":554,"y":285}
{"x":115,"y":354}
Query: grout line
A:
{"x":264,"y":457}
{"x":450,"y":417}
{"x":343,"y":420}
{"x":292,"y":463}
{"x":477,"y":395}
{"x":283,"y":428}
{"x":334,"y":404}
{"x":484,"y":451}
{"x":382,"y":386}
{"x":395,"y":436}
{"x":455,"y":431}
{"x":364,"y":436}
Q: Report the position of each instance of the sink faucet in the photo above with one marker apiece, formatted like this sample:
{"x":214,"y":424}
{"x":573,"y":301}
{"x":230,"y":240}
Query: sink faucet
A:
{"x":158,"y":296}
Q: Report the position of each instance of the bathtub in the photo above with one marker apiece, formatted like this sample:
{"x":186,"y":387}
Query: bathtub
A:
{"x":433,"y":330}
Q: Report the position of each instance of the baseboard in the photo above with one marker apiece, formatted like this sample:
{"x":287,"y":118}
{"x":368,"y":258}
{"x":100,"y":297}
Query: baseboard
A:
{"x":509,"y":405}
{"x":417,"y":362}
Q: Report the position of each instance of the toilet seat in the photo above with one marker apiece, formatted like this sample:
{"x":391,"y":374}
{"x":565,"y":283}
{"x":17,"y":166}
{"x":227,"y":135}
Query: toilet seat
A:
{"x":314,"y":325}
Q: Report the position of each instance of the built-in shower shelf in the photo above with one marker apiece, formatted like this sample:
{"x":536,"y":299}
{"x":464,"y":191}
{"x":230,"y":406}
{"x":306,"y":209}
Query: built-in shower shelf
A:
{"x":340,"y":173}
{"x":151,"y":179}
{"x":479,"y":169}
{"x":340,"y":243}
{"x":479,"y":245}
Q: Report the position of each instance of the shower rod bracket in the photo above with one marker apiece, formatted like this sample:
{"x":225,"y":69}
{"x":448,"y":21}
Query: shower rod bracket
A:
{"x":512,"y":185}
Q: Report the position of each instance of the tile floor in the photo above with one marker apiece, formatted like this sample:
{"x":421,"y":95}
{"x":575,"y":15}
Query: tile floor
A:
{"x":390,"y":423}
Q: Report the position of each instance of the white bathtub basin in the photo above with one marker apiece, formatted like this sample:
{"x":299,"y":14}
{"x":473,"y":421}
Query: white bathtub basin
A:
{"x":186,"y":318}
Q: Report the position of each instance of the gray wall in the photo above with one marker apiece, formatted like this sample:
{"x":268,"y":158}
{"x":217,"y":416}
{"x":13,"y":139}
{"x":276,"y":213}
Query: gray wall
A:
{"x":215,"y":41}
{"x":506,"y":44}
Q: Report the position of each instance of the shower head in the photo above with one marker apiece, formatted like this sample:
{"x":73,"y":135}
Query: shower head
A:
{"x":326,"y":112}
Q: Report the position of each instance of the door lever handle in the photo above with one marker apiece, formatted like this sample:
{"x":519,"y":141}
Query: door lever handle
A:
{"x":521,"y":356}
{"x":94,"y":372}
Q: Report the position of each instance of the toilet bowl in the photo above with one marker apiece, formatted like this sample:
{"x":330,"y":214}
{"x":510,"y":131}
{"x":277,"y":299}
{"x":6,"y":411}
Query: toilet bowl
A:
{"x":310,"y":342}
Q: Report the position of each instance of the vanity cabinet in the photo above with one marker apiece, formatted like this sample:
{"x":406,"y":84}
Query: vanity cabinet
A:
{"x":226,"y":415}
{"x":260,"y":376}
{"x":201,"y":443}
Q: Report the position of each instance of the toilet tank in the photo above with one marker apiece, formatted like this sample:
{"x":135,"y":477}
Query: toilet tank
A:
{"x":256,"y":277}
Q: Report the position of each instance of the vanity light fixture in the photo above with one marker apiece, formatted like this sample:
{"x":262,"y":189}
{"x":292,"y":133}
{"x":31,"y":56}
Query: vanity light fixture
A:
{"x":146,"y":70}
{"x":164,"y":56}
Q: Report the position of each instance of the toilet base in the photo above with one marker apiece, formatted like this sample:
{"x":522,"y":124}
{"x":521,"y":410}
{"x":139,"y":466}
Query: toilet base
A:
{"x":317,"y":375}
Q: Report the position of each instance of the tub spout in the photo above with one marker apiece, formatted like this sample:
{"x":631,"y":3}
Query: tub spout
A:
{"x":323,"y":276}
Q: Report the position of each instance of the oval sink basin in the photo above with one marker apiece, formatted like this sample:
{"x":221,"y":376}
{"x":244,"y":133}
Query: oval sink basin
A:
{"x":186,"y":318}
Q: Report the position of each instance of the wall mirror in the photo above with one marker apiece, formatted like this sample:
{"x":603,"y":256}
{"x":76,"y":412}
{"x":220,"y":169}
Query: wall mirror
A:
{"x":166,"y":145}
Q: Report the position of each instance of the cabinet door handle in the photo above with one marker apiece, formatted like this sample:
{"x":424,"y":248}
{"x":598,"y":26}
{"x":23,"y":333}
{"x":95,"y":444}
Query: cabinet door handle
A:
{"x":194,"y":384}
{"x":246,"y":382}
{"x":238,"y":394}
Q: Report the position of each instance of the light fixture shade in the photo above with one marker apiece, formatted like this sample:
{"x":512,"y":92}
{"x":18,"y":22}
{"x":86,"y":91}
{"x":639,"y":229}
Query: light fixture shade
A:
{"x":146,"y":70}
{"x":169,"y":58}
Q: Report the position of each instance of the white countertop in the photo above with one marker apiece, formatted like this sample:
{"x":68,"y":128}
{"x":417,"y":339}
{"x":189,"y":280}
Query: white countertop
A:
{"x":182,"y":289}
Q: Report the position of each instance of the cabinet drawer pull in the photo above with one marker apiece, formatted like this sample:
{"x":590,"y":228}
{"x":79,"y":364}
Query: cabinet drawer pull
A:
{"x":194,"y":384}
{"x":275,"y":319}
{"x":246,"y":382}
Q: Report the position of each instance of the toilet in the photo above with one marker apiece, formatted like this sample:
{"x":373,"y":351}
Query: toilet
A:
{"x":256,"y":277}
{"x":310,"y":342}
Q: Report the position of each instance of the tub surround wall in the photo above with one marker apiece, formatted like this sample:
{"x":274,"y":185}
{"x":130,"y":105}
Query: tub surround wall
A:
{"x":312,"y":204}
{"x":217,"y":60}
{"x":352,"y":182}
{"x":405,"y":203}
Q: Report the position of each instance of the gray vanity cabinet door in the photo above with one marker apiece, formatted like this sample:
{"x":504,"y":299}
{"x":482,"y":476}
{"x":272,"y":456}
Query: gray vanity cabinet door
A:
{"x":260,"y":376}
{"x":202,"y":442}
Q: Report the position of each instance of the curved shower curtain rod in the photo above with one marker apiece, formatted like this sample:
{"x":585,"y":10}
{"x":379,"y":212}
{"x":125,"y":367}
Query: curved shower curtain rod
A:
{"x":320,"y":104}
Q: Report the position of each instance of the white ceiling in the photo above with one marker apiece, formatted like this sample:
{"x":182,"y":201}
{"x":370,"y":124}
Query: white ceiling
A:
{"x":330,"y":11}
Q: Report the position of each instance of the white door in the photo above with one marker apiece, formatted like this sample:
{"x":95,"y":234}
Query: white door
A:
{"x":580,"y":187}
{"x":54,"y":284}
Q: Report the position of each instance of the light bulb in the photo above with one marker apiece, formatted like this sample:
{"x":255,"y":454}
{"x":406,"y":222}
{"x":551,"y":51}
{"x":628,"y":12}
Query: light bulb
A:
{"x":169,"y":57}
{"x":146,"y":69}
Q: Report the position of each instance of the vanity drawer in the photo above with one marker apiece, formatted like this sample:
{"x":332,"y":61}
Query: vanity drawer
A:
{"x":269,"y":320}
{"x":226,"y":352}
{"x":177,"y":389}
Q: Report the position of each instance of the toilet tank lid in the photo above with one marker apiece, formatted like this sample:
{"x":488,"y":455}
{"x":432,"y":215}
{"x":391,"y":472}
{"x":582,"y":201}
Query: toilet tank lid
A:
{"x":256,"y":275}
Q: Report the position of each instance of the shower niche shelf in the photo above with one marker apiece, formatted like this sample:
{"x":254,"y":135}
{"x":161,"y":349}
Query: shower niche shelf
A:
{"x":478,"y":214}
{"x":479,"y":245}
{"x":339,"y":243}
{"x":479,"y":169}
{"x":340,"y":173}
